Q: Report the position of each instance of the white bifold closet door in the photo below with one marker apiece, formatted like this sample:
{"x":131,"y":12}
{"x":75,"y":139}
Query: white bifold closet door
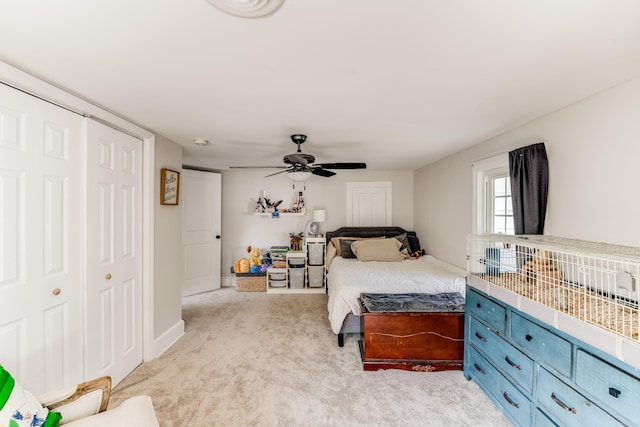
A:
{"x":41,"y":257}
{"x":113,"y":342}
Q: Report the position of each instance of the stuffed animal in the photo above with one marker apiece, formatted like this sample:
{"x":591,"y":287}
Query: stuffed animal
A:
{"x":417,"y":254}
{"x":254,"y":254}
{"x":241,"y":266}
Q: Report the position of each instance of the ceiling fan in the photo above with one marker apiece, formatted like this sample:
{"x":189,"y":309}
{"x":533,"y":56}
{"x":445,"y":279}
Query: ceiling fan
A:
{"x":301,"y":165}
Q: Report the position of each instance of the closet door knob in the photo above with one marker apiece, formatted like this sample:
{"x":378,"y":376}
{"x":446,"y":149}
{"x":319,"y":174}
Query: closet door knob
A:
{"x":108,"y":276}
{"x":56,"y":291}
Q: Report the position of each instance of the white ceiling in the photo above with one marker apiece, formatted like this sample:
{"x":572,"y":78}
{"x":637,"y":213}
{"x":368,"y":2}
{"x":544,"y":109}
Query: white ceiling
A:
{"x":396,"y":84}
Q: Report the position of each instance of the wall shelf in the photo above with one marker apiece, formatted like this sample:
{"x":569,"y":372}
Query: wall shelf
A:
{"x":281,"y":213}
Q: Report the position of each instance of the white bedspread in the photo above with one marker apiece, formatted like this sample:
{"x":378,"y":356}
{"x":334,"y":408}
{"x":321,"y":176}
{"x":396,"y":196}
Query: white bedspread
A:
{"x":348,"y":278}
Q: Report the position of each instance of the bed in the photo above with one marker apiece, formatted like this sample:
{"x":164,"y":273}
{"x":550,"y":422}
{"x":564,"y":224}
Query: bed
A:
{"x":347,"y":278}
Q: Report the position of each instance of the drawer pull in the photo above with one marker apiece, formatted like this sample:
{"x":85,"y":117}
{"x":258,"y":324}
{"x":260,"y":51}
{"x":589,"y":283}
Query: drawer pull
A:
{"x":506,"y":359}
{"x":511,"y":402}
{"x":561,"y":404}
{"x":480,"y":337}
{"x":482,"y":371}
{"x":614,"y":392}
{"x":528,"y":337}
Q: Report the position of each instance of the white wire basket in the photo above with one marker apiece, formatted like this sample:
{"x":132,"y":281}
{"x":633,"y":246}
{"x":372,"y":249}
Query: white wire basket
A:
{"x":596,"y":283}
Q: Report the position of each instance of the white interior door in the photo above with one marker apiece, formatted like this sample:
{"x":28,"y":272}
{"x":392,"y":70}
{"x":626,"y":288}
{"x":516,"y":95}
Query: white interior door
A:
{"x":369,"y":204}
{"x":41,"y":199}
{"x":113,"y":344}
{"x":200,"y":196}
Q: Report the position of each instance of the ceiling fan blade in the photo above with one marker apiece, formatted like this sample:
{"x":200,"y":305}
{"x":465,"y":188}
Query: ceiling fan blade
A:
{"x":322,"y":172}
{"x":258,"y":167}
{"x":278,"y":173}
{"x":342,"y":165}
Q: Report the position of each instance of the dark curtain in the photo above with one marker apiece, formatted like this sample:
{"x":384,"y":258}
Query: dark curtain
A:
{"x":529,"y":172}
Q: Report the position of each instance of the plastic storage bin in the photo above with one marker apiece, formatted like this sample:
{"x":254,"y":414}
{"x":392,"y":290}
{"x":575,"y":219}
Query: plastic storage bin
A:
{"x":316,"y":253}
{"x":316,"y":276}
{"x":296,"y":278}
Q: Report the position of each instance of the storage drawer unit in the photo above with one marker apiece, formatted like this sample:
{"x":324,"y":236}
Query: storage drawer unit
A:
{"x":608,"y":385}
{"x":276,"y":278}
{"x":299,"y":272}
{"x":536,"y":340}
{"x":502,"y":354}
{"x":510,"y":398}
{"x":562,"y":380}
{"x":567,"y":405}
{"x":487,"y":311}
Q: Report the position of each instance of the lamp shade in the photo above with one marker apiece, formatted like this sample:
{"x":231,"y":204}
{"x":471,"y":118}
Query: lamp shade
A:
{"x":299,"y":176}
{"x":319,"y":215}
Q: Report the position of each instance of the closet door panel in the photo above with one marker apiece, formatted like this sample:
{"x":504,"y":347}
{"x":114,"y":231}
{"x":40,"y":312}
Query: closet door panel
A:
{"x":114,"y":263}
{"x":41,"y":155}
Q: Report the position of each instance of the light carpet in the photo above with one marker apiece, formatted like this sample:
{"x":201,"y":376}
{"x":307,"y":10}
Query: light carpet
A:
{"x":257,"y":359}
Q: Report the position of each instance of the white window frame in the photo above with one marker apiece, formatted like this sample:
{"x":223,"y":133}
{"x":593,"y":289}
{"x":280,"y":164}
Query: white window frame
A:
{"x":483,"y":171}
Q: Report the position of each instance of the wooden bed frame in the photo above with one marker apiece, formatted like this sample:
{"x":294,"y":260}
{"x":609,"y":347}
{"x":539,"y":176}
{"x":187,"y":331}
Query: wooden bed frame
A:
{"x":354,"y":324}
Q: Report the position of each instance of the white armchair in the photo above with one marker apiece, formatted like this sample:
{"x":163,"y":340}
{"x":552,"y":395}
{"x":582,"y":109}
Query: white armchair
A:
{"x":86,"y":405}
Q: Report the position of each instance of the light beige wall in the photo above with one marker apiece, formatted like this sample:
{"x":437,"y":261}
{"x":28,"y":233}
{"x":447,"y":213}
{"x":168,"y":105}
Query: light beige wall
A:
{"x":593,"y":148}
{"x":240,"y":190}
{"x":168,"y":246}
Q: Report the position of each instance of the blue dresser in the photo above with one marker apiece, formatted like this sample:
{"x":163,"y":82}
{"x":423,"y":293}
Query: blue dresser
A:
{"x":540,"y":376}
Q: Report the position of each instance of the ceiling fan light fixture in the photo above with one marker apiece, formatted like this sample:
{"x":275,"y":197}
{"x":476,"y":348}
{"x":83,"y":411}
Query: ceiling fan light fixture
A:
{"x":247,"y":8}
{"x":299,"y":175}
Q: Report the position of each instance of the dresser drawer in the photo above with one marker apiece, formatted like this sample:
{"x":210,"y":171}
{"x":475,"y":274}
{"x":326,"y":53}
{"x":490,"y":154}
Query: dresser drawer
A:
{"x":505,"y":394}
{"x":568,"y":406}
{"x":540,"y":419}
{"x":491,"y":313}
{"x":501,"y":353}
{"x":554,"y":350}
{"x":615,"y":388}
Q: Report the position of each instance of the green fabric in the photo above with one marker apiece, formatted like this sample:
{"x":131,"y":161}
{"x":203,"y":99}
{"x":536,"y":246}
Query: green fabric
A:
{"x":6,"y":386}
{"x":53,"y":419}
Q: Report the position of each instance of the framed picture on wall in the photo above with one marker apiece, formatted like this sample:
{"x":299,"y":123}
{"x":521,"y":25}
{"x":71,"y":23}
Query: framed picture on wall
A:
{"x":169,"y":187}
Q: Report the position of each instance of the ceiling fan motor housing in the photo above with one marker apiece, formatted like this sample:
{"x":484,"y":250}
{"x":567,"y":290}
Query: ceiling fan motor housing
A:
{"x":298,"y":138}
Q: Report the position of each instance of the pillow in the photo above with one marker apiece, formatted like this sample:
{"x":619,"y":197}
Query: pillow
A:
{"x":345,"y":248}
{"x":378,"y":250}
{"x":336,"y":242}
{"x":20,"y":408}
{"x":331,"y":254}
{"x":402,"y":238}
{"x":414,"y":243}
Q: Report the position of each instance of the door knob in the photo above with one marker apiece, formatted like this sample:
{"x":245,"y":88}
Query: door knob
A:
{"x":217,"y":236}
{"x":108,"y":276}
{"x":56,"y":291}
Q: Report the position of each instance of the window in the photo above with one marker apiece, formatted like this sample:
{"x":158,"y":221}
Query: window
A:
{"x":499,"y":212}
{"x":492,"y":196}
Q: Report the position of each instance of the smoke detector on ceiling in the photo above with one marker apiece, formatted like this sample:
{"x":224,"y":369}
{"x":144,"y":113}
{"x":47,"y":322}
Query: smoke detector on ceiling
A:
{"x":247,"y":8}
{"x":200,"y":141}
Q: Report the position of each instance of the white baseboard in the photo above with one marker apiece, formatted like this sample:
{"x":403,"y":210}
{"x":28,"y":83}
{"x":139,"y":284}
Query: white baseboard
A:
{"x":170,"y":337}
{"x":227,"y":281}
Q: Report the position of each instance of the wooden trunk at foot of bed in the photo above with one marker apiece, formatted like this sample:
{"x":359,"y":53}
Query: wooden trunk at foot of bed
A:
{"x":414,"y":341}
